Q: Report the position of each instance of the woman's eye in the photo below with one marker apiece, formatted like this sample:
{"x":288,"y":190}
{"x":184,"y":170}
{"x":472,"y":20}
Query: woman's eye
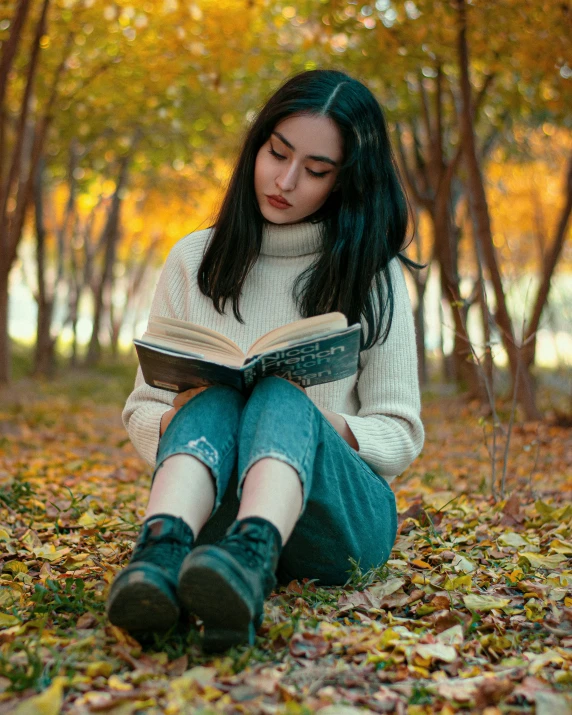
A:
{"x":317,"y":174}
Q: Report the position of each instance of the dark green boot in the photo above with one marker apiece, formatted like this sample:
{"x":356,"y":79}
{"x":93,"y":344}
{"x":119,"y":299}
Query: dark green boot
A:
{"x":226,"y":583}
{"x":143,"y":597}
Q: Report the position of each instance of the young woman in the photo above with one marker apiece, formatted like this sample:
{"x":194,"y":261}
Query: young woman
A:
{"x":287,"y":483}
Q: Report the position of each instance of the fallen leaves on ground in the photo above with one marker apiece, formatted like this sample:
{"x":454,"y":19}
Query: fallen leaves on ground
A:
{"x":473,"y":611}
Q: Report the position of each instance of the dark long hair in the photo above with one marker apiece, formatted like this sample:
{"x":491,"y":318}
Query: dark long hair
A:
{"x":365,"y":220}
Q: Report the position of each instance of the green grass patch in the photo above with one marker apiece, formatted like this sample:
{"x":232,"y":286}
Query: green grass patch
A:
{"x":109,"y":382}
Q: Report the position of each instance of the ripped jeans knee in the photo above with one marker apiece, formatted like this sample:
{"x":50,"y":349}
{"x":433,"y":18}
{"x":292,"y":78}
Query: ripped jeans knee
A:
{"x":204,"y":450}
{"x":206,"y":428}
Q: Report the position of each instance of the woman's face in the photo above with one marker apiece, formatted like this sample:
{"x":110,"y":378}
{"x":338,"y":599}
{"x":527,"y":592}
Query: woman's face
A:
{"x":299,"y":164}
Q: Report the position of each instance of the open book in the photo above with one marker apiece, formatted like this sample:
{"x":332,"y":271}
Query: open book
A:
{"x":176,"y":355}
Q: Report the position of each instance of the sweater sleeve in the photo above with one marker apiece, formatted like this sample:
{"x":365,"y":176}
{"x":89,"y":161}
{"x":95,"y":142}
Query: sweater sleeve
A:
{"x":388,"y":425}
{"x":146,"y":405}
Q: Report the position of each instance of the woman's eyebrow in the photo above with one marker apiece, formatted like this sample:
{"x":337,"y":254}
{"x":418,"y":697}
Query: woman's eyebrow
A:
{"x":308,"y":156}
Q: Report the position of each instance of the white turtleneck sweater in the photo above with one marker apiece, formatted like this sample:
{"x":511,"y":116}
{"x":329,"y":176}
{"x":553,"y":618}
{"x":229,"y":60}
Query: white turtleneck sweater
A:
{"x":380,"y":403}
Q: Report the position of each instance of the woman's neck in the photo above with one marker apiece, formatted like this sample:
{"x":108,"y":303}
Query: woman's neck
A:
{"x":291,"y":239}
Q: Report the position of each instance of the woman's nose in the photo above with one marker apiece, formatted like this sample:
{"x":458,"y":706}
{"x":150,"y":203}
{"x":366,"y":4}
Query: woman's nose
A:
{"x":286,"y":181}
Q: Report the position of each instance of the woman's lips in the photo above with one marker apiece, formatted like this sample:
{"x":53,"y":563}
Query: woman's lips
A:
{"x":278,"y":203}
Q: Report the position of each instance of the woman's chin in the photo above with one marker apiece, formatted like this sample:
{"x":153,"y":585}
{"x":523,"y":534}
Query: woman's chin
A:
{"x":272,"y":217}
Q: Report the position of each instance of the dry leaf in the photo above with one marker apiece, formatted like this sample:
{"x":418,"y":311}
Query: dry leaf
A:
{"x":478,"y":602}
{"x":309,"y":645}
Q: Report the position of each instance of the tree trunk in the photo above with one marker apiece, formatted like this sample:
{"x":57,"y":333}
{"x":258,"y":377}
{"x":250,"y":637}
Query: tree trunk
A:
{"x":109,"y":239}
{"x":44,"y":359}
{"x":17,"y":172}
{"x":482,"y":227}
{"x":5,"y":364}
{"x":79,"y":277}
{"x":419,"y":317}
{"x":430,"y":178}
{"x":73,"y":302}
{"x":114,"y":324}
{"x":11,"y":182}
{"x":9,"y":50}
{"x":463,"y":369}
{"x":488,"y":364}
{"x":550,"y":262}
{"x":420,"y":281}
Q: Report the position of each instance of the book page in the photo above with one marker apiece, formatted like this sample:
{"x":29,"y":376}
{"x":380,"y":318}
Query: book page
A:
{"x":298,"y":330}
{"x":203,"y":351}
{"x":194,"y":343}
{"x":193,"y":333}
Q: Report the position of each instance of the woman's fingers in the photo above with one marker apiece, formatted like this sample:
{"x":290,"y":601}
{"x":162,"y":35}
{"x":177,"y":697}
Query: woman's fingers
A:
{"x":183,"y":397}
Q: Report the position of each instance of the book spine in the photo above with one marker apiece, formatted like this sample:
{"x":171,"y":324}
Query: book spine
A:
{"x":250,"y":376}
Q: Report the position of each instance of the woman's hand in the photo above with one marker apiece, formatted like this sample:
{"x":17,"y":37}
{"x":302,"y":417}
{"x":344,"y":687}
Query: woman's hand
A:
{"x":181,"y":399}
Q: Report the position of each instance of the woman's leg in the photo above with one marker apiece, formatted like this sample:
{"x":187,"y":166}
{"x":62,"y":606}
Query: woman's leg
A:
{"x":183,"y":487}
{"x":196,"y":457}
{"x":200,"y":442}
{"x":347,"y":511}
{"x":350,"y":512}
{"x":272,"y":490}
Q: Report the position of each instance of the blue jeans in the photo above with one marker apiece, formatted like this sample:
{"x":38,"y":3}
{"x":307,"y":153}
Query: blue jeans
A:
{"x":348,"y":510}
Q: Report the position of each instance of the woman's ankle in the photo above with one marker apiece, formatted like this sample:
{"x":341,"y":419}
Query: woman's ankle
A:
{"x":273,"y":491}
{"x":183,"y":487}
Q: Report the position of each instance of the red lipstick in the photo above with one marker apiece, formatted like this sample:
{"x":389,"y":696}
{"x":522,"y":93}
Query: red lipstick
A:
{"x":278,"y":202}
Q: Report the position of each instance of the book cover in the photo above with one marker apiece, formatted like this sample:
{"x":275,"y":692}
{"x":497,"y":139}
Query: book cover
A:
{"x":308,"y":362}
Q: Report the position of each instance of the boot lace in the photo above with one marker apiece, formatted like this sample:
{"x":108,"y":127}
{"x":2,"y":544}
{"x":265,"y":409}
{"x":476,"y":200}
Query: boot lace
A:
{"x":163,"y":552}
{"x":247,"y":546}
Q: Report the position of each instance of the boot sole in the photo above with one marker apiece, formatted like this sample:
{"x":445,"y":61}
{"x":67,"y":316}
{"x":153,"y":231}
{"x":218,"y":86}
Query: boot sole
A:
{"x":142,"y":601}
{"x":210,"y":588}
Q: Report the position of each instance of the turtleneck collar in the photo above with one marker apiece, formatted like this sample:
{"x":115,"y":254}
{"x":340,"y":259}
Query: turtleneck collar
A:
{"x":294,"y":239}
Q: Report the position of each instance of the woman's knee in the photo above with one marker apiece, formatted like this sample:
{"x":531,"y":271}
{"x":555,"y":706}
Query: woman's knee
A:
{"x":271,"y":387}
{"x":206,"y":427}
{"x":222,"y":395}
{"x":280,"y":414}
{"x":218,"y":408}
{"x":278,"y":394}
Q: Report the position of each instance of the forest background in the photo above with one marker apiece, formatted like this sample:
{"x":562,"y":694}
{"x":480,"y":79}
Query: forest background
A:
{"x":119,"y":125}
